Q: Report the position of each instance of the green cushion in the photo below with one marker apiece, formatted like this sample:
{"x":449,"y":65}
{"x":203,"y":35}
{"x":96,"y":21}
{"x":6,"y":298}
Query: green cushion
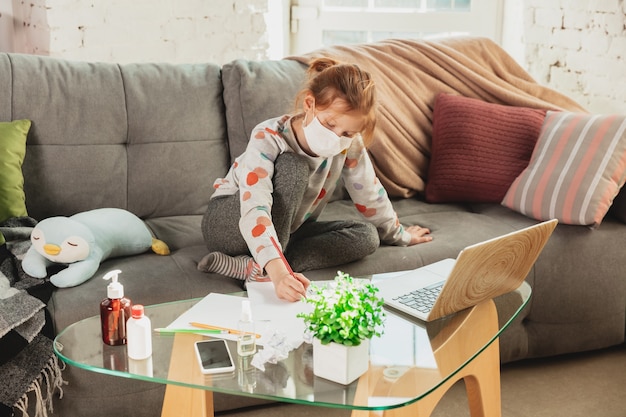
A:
{"x":12,"y":152}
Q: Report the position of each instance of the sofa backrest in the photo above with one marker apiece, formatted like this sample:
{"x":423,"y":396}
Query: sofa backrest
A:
{"x":149,"y":138}
{"x":255,"y":91}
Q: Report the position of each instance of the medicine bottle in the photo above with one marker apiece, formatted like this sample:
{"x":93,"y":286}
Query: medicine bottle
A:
{"x":246,"y":342}
{"x":138,"y":331}
{"x":114,"y":311}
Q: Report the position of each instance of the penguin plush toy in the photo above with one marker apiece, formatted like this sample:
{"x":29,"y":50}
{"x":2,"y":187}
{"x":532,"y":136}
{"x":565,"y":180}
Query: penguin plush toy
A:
{"x":84,"y":240}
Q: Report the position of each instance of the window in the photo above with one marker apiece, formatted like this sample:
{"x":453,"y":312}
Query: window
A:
{"x":318,"y":23}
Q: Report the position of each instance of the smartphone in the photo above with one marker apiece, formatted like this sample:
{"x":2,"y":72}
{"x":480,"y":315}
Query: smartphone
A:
{"x":214,"y":356}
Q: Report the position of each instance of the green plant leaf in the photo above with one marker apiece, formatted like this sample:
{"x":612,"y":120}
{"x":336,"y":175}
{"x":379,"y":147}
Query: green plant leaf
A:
{"x":346,"y":311}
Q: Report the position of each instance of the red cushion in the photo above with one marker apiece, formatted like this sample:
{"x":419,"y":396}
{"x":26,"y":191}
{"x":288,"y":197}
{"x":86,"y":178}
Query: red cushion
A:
{"x":478,"y":148}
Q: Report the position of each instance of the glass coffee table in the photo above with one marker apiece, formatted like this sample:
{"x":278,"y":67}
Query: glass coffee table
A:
{"x":412,"y":364}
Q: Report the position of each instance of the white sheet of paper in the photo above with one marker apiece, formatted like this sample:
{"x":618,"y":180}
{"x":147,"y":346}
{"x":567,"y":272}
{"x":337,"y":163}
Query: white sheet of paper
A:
{"x":269,"y":313}
{"x":273,"y":314}
{"x":215,"y":309}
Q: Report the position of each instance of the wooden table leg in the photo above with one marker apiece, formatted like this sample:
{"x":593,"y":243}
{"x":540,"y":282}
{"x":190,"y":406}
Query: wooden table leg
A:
{"x":180,"y":400}
{"x":461,"y":340}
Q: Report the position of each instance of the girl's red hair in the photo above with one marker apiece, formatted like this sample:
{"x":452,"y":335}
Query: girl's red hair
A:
{"x":330,"y":80}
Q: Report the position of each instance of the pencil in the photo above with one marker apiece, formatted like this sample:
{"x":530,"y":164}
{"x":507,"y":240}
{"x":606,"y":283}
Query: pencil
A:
{"x":170,"y":331}
{"x":221,"y":329}
{"x":282,"y":256}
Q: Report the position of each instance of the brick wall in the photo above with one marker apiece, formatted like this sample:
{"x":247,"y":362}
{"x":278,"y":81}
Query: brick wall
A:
{"x":142,"y":30}
{"x":579,"y":47}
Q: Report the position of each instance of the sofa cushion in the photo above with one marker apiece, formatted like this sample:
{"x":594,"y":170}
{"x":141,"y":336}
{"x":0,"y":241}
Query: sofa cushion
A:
{"x":576,"y":169}
{"x":12,"y":152}
{"x":478,"y":148}
{"x":176,"y":137}
{"x":73,"y":161}
{"x":177,"y":231}
{"x":149,"y":138}
{"x":255,"y":91}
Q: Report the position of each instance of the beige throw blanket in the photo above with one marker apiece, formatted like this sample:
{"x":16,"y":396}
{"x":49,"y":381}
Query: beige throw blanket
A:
{"x":409,"y":74}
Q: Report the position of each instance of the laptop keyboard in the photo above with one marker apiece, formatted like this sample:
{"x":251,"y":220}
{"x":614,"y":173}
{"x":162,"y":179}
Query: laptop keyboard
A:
{"x":423,"y":299}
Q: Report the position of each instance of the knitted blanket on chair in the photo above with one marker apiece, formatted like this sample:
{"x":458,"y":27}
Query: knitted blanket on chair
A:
{"x":29,"y":369}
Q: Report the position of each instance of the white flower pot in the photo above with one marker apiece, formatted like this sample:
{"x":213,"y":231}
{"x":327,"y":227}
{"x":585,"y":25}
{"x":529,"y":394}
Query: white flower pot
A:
{"x":340,"y":363}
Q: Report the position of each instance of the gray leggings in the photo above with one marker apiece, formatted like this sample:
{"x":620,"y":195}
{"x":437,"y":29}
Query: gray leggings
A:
{"x":315,"y":245}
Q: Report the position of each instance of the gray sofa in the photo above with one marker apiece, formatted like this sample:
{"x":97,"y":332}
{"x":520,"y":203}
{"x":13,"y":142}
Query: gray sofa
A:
{"x":151,"y":138}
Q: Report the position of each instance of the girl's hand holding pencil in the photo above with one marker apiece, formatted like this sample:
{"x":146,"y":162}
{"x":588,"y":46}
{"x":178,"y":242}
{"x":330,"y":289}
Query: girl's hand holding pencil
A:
{"x":289,"y":285}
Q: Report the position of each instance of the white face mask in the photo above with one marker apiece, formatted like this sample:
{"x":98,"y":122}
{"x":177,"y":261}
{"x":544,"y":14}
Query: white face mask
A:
{"x":323,"y":141}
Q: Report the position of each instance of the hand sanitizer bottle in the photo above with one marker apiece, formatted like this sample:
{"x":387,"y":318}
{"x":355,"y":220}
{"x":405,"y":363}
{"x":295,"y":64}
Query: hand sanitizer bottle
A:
{"x":246,"y":342}
{"x":114,"y":311}
{"x":139,"y":334}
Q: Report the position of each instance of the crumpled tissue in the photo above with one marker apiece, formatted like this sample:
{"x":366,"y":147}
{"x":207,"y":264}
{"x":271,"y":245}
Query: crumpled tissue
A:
{"x":274,"y":350}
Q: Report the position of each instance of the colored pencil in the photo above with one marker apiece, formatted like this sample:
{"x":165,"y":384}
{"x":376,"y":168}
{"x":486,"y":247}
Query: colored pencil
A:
{"x":223,"y":329}
{"x":171,"y":331}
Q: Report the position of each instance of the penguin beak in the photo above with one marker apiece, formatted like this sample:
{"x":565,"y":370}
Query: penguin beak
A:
{"x":52,"y":250}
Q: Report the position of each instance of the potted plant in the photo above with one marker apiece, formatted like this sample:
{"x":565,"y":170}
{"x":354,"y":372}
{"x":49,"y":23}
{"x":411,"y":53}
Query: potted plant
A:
{"x":346,"y":314}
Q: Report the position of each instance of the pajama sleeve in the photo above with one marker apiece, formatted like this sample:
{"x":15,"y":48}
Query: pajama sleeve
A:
{"x":255,"y":169}
{"x":370,"y":197}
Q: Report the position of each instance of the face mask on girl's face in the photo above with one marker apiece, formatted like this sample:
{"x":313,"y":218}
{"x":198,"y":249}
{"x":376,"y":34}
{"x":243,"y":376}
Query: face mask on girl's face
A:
{"x":323,"y":141}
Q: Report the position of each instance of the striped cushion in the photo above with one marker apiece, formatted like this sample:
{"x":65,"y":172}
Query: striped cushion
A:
{"x":576,"y":169}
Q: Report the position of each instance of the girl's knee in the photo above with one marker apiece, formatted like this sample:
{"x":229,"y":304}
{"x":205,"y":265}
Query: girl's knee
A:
{"x":365,"y":237}
{"x":372,"y":240}
{"x":291,"y":179}
{"x":292,"y":164}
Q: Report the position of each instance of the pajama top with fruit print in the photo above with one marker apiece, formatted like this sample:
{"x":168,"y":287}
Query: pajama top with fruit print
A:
{"x":252,"y":172}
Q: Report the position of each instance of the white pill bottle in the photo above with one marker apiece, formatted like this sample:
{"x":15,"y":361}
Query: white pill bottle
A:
{"x":138,"y":334}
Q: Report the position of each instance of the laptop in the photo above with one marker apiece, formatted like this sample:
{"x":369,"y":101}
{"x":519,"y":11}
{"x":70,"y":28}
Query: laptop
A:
{"x":481,"y":271}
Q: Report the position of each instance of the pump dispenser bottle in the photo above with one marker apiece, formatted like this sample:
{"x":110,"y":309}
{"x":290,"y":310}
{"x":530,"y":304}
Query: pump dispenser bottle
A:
{"x":246,"y":342}
{"x":114,"y":311}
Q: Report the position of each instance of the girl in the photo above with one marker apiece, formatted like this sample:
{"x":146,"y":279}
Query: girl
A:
{"x":275,"y":191}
